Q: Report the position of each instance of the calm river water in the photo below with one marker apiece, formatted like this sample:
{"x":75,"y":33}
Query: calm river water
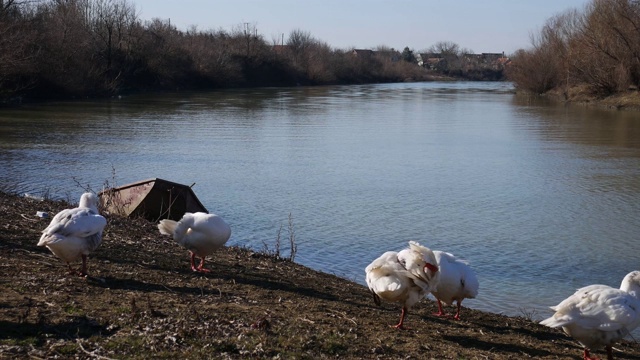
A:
{"x":540,"y":198}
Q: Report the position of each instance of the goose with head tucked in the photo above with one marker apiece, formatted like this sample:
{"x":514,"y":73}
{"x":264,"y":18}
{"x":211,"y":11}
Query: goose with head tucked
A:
{"x":200,"y":233}
{"x":75,"y":233}
{"x":599,"y":315}
{"x":457,"y":282}
{"x":404,"y":277}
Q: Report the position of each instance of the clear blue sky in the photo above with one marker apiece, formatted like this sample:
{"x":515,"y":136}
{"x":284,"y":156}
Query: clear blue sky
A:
{"x":479,"y":25}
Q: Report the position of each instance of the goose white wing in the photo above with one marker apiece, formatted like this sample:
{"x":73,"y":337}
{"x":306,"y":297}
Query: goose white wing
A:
{"x":59,"y":220}
{"x":384,"y":259}
{"x":76,"y":222}
{"x":446,"y":258}
{"x":597,"y":307}
{"x":388,"y":279}
{"x":457,"y":279}
{"x":387,"y":261}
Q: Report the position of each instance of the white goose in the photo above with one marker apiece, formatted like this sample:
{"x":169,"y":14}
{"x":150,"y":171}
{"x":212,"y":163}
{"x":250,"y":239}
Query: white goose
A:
{"x":599,"y":315}
{"x":404,"y":277}
{"x":75,"y":233}
{"x":200,"y":233}
{"x":457,"y":282}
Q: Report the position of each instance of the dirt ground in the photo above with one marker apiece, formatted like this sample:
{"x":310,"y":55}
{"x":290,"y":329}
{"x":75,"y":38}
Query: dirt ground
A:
{"x":142,"y":301}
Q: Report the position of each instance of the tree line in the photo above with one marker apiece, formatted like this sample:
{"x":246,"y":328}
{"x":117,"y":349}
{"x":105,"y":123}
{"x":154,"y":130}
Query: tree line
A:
{"x":77,"y":48}
{"x":596,"y":48}
{"x":80,"y":48}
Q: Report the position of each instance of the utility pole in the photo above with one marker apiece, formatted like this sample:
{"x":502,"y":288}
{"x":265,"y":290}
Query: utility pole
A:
{"x":247,"y":37}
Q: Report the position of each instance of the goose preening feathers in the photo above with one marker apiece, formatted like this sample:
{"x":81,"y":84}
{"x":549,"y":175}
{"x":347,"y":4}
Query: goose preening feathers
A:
{"x":404,"y":277}
{"x":457,"y":282}
{"x":75,"y":233}
{"x":200,"y":233}
{"x":599,"y":315}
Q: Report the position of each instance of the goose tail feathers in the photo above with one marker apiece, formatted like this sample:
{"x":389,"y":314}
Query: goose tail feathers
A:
{"x":167,"y":227}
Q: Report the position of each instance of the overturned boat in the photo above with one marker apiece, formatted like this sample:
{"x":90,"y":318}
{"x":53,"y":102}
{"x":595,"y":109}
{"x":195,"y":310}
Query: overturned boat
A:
{"x":153,"y":199}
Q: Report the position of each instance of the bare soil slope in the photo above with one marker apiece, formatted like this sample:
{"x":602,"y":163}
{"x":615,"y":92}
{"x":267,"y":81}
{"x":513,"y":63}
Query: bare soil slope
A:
{"x":142,"y":301}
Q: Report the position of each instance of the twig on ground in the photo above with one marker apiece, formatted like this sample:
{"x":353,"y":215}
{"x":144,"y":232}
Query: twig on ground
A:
{"x":28,"y":218}
{"x":307,"y":320}
{"x":344,"y":316}
{"x":168,"y":288}
{"x":92,"y":353}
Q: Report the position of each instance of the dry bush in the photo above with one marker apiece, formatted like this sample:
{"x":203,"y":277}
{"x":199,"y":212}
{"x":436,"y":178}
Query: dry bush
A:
{"x":530,"y":71}
{"x":607,"y":48}
{"x":545,"y":65}
{"x":598,"y":47}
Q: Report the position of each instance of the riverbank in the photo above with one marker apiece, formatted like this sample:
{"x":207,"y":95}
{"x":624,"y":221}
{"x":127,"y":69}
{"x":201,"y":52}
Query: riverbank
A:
{"x":19,"y":101}
{"x":142,"y":301}
{"x":580,"y":95}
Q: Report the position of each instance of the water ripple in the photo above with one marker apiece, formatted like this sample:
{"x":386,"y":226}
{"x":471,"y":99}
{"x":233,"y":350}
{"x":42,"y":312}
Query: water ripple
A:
{"x":537,"y":197}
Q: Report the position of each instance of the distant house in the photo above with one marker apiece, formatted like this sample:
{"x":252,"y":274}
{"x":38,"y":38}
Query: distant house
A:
{"x":491,"y":57}
{"x":495,"y":61}
{"x":395,"y":56}
{"x":388,"y":55}
{"x":362,"y":53}
{"x":472,"y":58}
{"x":431,"y":61}
{"x":504,"y":61}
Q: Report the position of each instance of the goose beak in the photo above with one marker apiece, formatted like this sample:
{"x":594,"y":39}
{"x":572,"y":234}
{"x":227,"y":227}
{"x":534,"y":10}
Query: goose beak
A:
{"x":431,"y":267}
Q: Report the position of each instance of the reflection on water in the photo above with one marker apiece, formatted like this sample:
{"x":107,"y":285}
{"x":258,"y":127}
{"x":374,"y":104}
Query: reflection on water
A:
{"x":540,"y":198}
{"x":582,"y":125}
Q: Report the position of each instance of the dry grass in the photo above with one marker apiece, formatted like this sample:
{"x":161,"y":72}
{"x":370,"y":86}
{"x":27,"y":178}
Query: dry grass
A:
{"x":629,"y":100}
{"x":583,"y":95}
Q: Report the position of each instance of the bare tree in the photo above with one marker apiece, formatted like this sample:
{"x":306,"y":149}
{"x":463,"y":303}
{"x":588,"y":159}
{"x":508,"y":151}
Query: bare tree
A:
{"x":598,"y":47}
{"x":446,"y":48}
{"x":15,"y":8}
{"x":66,"y":61}
{"x":17,"y":55}
{"x":308,"y":56}
{"x":110,"y":23}
{"x":612,"y":29}
{"x":163,"y":51}
{"x":299,"y":42}
{"x":319,"y":61}
{"x":212,"y":55}
{"x":249,"y":42}
{"x":450,"y":52}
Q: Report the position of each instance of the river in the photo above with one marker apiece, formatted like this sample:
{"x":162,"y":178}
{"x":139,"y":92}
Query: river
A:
{"x":540,"y":198}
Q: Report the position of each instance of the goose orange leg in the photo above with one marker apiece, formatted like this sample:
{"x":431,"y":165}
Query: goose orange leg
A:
{"x":440,"y":312}
{"x":457,"y":315}
{"x":587,"y":356}
{"x":400,"y":324}
{"x":199,"y":268}
{"x":83,"y":272}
